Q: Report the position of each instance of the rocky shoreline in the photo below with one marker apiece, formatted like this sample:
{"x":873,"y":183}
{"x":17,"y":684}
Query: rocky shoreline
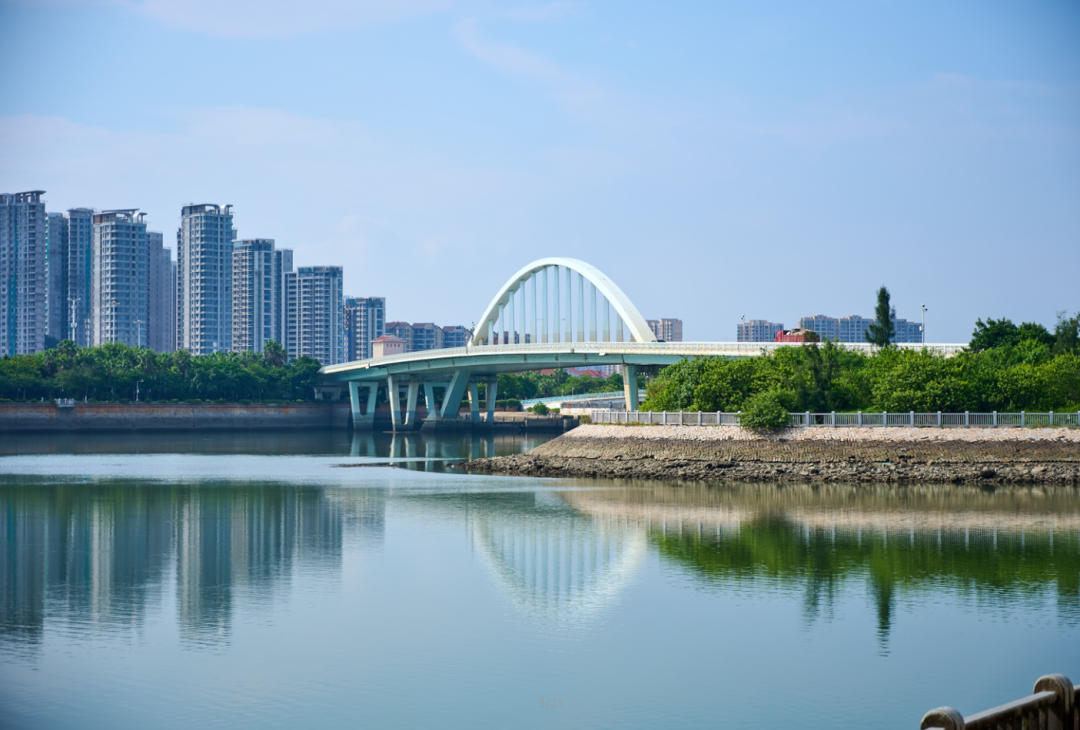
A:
{"x":718,"y":454}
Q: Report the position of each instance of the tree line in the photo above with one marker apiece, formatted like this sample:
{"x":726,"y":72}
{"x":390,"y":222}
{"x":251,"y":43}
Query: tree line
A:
{"x":116,"y":372}
{"x":1007,"y":367}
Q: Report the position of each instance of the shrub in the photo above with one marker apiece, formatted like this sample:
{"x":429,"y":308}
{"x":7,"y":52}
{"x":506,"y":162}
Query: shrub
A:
{"x":765,"y":411}
{"x":540,"y":409}
{"x":194,"y":401}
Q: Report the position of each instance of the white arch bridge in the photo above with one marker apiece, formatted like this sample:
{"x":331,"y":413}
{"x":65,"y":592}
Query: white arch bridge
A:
{"x":553,"y":313}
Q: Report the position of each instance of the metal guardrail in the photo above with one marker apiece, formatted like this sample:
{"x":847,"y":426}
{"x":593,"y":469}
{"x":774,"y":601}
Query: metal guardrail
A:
{"x":860,"y":419}
{"x":1052,"y":706}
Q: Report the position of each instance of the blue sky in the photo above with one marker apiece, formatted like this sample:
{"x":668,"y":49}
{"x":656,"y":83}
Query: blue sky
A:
{"x":716,"y":159}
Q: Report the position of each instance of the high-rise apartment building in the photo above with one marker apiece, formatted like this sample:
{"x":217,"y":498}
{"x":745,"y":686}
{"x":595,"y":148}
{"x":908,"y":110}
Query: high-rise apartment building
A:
{"x":204,"y":245}
{"x":80,"y":244}
{"x":162,"y":305}
{"x":258,"y":293}
{"x":668,"y":330}
{"x":365,"y":321}
{"x":315,"y":314}
{"x":56,"y":264}
{"x":120,"y":278}
{"x":853,"y":328}
{"x":757,"y":330}
{"x":24,"y":232}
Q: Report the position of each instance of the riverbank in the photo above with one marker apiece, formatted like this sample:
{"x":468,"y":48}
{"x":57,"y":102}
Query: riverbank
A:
{"x":715,"y":454}
{"x":51,"y":417}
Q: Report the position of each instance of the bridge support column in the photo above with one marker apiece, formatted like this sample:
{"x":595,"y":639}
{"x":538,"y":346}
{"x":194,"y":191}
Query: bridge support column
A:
{"x":432,"y":404}
{"x":410,"y":403}
{"x":474,"y":401}
{"x":363,"y":418}
{"x":630,"y":389}
{"x":492,"y":393}
{"x":394,"y":394}
{"x":455,"y":392}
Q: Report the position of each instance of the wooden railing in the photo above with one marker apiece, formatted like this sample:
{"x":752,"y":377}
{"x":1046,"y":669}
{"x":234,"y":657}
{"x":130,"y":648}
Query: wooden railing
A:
{"x":1051,"y":707}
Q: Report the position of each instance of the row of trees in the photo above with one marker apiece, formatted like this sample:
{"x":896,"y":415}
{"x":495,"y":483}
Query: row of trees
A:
{"x":523,"y":386}
{"x":1007,"y":368}
{"x":114,"y":372}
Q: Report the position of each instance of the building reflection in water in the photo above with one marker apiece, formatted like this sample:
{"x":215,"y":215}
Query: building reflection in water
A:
{"x":94,"y":556}
{"x":999,"y":546}
{"x":97,"y":556}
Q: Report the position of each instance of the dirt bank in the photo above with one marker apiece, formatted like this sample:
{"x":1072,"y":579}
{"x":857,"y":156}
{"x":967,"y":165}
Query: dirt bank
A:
{"x":709,"y":453}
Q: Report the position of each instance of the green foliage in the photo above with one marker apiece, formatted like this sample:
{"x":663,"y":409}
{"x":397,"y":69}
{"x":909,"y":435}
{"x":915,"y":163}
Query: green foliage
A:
{"x":883,"y":330}
{"x":1024,"y":376}
{"x":540,"y":409}
{"x":1002,"y":333}
{"x":766,"y":411}
{"x":110,"y":373}
{"x":1067,"y":334}
{"x":525,"y":386}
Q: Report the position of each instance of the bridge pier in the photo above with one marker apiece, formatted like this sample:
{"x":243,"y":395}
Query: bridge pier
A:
{"x":492,"y":392}
{"x":474,"y":401}
{"x":363,"y":419}
{"x":412,"y":393}
{"x":630,"y":389}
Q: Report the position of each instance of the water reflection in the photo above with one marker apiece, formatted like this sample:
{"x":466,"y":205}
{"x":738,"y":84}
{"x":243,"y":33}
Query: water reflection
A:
{"x":1007,"y":546}
{"x":432,"y":453}
{"x":102,"y":555}
{"x":98,"y":555}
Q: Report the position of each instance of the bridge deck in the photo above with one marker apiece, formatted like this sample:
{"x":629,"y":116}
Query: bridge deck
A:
{"x":494,"y":359}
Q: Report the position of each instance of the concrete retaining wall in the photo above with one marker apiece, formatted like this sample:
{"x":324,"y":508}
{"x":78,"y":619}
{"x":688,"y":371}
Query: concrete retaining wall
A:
{"x":46,"y":417}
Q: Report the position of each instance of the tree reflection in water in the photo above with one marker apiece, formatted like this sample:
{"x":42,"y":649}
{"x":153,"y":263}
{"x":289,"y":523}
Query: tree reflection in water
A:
{"x":998,"y":546}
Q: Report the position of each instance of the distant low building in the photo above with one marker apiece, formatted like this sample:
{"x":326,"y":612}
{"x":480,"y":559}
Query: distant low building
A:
{"x":668,"y":330}
{"x":455,"y":336}
{"x":853,"y":328}
{"x":421,"y":336}
{"x":757,"y":330}
{"x":387,"y":345}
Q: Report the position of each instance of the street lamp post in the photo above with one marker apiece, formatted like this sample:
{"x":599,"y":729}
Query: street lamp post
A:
{"x":922,"y":329}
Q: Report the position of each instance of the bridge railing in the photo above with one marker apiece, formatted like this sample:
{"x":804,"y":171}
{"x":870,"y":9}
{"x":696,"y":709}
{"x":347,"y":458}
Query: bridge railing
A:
{"x":859,"y":419}
{"x":1052,"y":706}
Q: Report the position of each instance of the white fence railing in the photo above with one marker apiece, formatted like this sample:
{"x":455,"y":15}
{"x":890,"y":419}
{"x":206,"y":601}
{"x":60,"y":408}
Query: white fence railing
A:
{"x":859,"y":419}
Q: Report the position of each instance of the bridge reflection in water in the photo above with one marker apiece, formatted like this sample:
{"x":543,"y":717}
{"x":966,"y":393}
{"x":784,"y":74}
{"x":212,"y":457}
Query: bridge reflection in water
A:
{"x":82,"y":556}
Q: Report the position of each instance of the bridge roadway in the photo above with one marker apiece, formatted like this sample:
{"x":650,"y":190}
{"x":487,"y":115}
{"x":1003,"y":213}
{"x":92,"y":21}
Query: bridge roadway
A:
{"x":455,"y":371}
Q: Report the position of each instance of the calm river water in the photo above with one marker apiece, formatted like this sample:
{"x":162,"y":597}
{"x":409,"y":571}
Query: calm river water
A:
{"x":224,"y":580}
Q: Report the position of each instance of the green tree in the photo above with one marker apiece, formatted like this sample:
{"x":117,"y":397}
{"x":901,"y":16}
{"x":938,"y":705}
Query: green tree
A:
{"x":1067,"y":334}
{"x":883,"y":330}
{"x":274,"y":354}
{"x":766,"y":411}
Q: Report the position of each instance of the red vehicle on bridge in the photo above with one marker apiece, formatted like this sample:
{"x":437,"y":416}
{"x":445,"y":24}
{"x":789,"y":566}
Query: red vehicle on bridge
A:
{"x":797,"y":335}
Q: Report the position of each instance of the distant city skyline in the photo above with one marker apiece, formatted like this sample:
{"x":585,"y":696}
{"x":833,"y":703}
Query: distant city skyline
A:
{"x":754,"y":145}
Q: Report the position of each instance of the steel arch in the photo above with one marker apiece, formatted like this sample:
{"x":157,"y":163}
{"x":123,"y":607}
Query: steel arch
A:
{"x":624,"y":308}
